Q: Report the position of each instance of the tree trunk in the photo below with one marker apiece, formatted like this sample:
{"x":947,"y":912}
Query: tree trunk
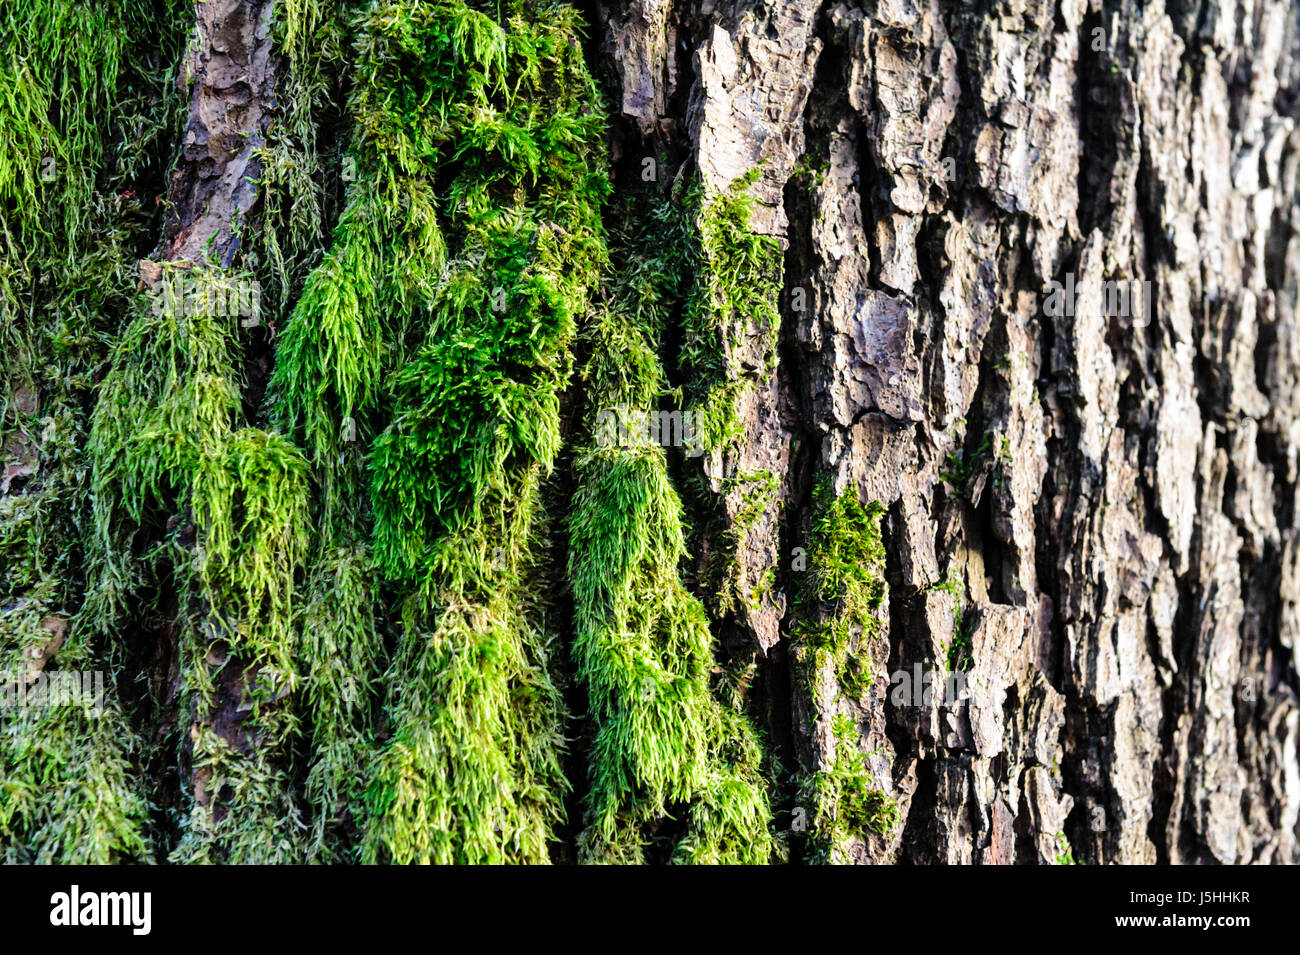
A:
{"x":1111,"y":490}
{"x":964,"y":526}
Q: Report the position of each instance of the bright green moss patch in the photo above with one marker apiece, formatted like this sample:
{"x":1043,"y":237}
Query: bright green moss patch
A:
{"x":59,"y":64}
{"x":732,"y":321}
{"x":1064,"y":852}
{"x":472,"y":773}
{"x":79,"y":105}
{"x":165,"y":412}
{"x":250,"y":506}
{"x":843,"y":591}
{"x":68,"y":791}
{"x":341,"y":648}
{"x":845,"y":585}
{"x":642,"y":643}
{"x":844,"y":801}
{"x":166,"y":456}
{"x":436,"y":333}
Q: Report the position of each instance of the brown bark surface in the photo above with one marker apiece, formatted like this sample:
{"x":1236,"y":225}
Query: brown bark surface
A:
{"x":230,"y":72}
{"x":1112,"y":486}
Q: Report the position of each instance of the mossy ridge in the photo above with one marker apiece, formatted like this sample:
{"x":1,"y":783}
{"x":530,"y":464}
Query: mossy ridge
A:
{"x":81,"y":100}
{"x":59,"y":66}
{"x":472,"y":773}
{"x":440,"y":321}
{"x":835,"y":622}
{"x":642,"y":643}
{"x":302,"y":166}
{"x":729,"y":348}
{"x":341,"y":648}
{"x":845,"y":802}
{"x":228,"y":507}
{"x":735,"y":301}
{"x":844,"y":586}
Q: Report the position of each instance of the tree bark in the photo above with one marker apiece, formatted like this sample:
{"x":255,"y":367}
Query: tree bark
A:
{"x":1000,"y":547}
{"x":1118,"y":511}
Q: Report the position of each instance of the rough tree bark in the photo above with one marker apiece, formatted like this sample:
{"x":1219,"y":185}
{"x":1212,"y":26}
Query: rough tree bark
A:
{"x":1114,"y":494}
{"x":1037,"y":311}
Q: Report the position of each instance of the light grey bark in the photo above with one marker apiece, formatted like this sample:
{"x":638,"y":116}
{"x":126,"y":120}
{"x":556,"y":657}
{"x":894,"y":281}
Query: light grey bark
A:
{"x":230,"y":72}
{"x":1123,"y":521}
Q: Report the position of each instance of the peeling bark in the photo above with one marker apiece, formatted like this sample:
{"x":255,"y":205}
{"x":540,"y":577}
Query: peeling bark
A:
{"x":231,"y":74}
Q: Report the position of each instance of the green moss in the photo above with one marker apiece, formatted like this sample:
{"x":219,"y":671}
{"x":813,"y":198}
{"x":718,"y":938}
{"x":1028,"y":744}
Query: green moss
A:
{"x":165,"y":455}
{"x":734,"y":304}
{"x":959,"y":648}
{"x":79,"y":106}
{"x":836,"y":618}
{"x":301,"y":161}
{"x":1064,"y":852}
{"x":167,"y":405}
{"x":59,"y":65}
{"x":759,"y":494}
{"x":436,"y":332}
{"x":843,"y":588}
{"x":642,"y":642}
{"x":341,"y":648}
{"x":68,"y":788}
{"x":472,"y":773}
{"x":845,"y":803}
{"x":250,"y":506}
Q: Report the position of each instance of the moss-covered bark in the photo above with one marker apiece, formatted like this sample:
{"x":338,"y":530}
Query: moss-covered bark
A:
{"x":526,"y":431}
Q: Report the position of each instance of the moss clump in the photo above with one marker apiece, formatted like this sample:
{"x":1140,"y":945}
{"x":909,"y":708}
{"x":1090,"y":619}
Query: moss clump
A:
{"x":845,"y":802}
{"x":68,"y":786}
{"x":732,"y":319}
{"x":79,"y":104}
{"x":341,"y":651}
{"x":59,"y":66}
{"x":436,"y":331}
{"x":837,"y":618}
{"x":1064,"y":851}
{"x":843,"y":590}
{"x":301,"y":161}
{"x":642,"y":644}
{"x":223,"y":511}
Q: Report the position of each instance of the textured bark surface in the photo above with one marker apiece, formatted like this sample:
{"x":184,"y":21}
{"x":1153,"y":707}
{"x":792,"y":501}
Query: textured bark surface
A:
{"x":993,"y":530}
{"x":231,"y":76}
{"x":1110,"y":487}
